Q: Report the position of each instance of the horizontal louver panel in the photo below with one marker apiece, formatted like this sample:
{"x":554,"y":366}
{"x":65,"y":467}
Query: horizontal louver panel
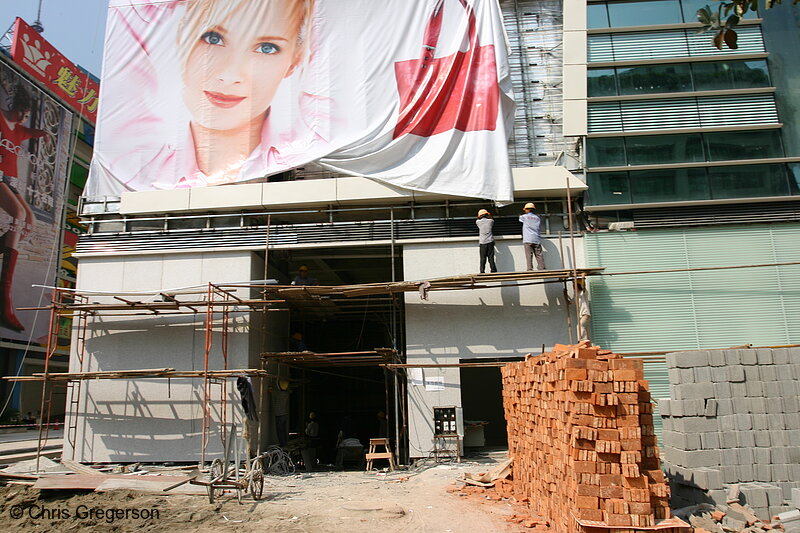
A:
{"x":668,"y":44}
{"x":700,"y":112}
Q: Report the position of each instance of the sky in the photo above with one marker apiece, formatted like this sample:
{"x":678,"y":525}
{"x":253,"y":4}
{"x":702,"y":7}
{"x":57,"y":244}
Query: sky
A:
{"x":75,"y":27}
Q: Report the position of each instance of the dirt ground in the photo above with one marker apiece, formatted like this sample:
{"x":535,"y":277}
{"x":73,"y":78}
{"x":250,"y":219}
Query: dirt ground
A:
{"x":407,"y":501}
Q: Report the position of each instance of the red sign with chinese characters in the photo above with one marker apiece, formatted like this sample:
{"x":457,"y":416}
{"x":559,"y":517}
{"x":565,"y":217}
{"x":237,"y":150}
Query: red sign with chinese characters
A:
{"x":42,"y":61}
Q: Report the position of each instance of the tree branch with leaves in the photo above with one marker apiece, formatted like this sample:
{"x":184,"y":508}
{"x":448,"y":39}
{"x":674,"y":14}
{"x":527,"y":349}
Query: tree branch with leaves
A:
{"x":723,"y":17}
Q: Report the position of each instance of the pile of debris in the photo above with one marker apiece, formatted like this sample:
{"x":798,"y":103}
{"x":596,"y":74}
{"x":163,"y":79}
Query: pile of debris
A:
{"x":497,"y":485}
{"x":580,"y":428}
{"x":734,"y":517}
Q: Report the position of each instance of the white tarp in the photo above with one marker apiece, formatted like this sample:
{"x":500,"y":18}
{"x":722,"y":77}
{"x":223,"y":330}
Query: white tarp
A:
{"x":210,"y":92}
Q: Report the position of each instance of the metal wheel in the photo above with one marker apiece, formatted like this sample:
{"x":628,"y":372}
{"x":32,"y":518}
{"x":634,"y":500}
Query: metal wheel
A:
{"x":214,"y":472}
{"x":256,"y":479}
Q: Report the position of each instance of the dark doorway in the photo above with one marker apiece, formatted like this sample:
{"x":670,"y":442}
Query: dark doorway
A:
{"x":482,"y":401}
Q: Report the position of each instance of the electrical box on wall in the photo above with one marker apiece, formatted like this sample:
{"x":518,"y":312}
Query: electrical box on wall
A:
{"x":444,"y":421}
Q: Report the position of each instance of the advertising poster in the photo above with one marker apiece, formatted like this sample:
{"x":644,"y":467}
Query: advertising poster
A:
{"x":34,"y":149}
{"x":44,"y":62}
{"x":210,"y":92}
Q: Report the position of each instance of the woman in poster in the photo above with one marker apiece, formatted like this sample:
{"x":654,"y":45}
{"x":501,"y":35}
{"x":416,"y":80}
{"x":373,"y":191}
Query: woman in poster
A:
{"x":233,"y":56}
{"x":14,"y":132}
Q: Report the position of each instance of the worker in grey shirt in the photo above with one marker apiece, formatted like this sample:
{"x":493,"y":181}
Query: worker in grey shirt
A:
{"x":486,"y":239}
{"x":531,"y":239}
{"x":280,"y":409}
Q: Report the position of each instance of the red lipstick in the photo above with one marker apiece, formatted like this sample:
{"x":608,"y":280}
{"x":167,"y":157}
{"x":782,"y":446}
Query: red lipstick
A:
{"x":224,"y":101}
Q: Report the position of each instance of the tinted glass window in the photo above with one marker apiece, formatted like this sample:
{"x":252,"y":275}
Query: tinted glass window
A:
{"x":669,"y":185}
{"x":646,"y":13}
{"x":749,"y":180}
{"x":609,"y":188}
{"x":597,"y":16}
{"x":794,"y":178}
{"x":724,"y":146}
{"x":658,"y":149}
{"x":719,"y":75}
{"x":605,"y":152}
{"x":601,"y":82}
{"x":655,"y":79}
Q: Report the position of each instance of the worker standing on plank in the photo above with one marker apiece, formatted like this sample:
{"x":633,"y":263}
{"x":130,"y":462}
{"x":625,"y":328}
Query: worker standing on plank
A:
{"x":583,"y":310}
{"x":302,"y":277}
{"x":531,"y":240}
{"x":486,"y":239}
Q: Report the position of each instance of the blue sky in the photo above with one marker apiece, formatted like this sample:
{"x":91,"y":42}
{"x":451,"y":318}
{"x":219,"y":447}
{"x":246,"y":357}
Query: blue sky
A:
{"x":75,"y":27}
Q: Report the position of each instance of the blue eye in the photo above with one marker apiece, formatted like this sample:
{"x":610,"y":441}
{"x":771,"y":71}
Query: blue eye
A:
{"x":268,"y":48}
{"x":212,"y":37}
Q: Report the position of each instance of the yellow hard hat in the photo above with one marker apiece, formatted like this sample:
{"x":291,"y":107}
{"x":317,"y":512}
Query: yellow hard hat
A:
{"x":482,"y":213}
{"x":529,"y":205}
{"x":283,"y":384}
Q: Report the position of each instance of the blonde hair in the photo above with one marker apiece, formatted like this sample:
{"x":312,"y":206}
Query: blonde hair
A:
{"x":200,"y":15}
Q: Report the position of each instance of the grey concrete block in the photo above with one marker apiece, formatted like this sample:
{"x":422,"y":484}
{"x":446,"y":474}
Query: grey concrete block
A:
{"x":762,"y":472}
{"x":780,"y":356}
{"x":733,"y":357}
{"x":784,"y":371}
{"x":761,"y":456}
{"x":792,"y":421}
{"x":698,"y":424}
{"x":789,"y":387}
{"x":764,"y":356}
{"x":727,"y":423}
{"x":749,"y":357}
{"x":719,"y":374}
{"x":760,"y":423}
{"x":741,"y":404}
{"x":751,"y":373}
{"x":700,"y":390}
{"x":780,"y":472}
{"x":722,"y":390}
{"x":702,"y":374}
{"x":776,"y":421}
{"x":716,"y":357}
{"x":779,"y":437}
{"x":745,"y":439}
{"x":729,"y":473}
{"x":691,"y":359}
{"x":789,"y":516}
{"x":686,"y":375}
{"x":774,"y":405}
{"x":698,"y":458}
{"x":718,"y":496}
{"x":791,"y":404}
{"x":707,"y":478}
{"x":710,"y":440}
{"x":754,"y":495}
{"x":664,"y":407}
{"x":758,"y":405}
{"x":710,"y":408}
{"x":746,"y":456}
{"x":755,"y":388}
{"x":727,"y":439}
{"x":769,"y":373}
{"x":735,"y":373}
{"x":743,"y":422}
{"x":738,"y":390}
{"x":793,"y":455}
{"x":674,"y":375}
{"x":796,"y":498}
{"x":671,"y":360}
{"x":729,"y":456}
{"x":667,"y":424}
{"x":744,"y":473}
{"x":778,"y":455}
{"x":724,"y":406}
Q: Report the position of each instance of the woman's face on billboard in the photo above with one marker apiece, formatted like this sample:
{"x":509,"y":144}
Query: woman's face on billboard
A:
{"x":235,"y":67}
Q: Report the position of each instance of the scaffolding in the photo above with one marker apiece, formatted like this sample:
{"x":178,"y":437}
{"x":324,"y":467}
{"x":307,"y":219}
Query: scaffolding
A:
{"x":219,"y":301}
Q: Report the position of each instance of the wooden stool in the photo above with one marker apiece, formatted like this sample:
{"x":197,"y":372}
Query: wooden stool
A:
{"x":375,"y":454}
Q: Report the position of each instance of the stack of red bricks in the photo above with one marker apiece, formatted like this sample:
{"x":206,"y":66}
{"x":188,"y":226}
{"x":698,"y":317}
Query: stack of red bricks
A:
{"x":580,"y":429}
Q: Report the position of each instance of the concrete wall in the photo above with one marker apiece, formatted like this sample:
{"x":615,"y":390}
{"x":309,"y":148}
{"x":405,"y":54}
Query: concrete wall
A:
{"x":155,"y":419}
{"x":473,"y":324}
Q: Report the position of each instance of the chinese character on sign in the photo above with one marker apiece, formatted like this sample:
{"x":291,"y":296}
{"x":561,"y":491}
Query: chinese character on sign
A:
{"x":89,"y":100}
{"x":68,"y":81}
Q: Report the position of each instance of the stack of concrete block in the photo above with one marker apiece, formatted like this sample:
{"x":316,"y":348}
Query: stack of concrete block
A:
{"x":580,"y":430}
{"x":733,"y":417}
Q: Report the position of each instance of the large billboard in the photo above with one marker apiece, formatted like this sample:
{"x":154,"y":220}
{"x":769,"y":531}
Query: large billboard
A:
{"x":42,"y":61}
{"x":34,"y":149}
{"x":210,"y":92}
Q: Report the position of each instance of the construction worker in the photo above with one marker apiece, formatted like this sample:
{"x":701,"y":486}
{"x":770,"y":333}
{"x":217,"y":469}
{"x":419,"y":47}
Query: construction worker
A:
{"x":302,"y":277}
{"x":280,"y":410}
{"x":583,"y":310}
{"x":296,"y":343}
{"x":486,"y":239}
{"x":531,"y":239}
